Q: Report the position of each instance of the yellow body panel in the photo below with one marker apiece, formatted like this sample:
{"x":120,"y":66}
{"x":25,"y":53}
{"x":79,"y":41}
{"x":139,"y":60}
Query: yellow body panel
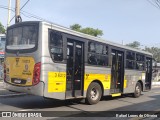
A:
{"x":125,"y":82}
{"x":56,"y":81}
{"x":116,"y":94}
{"x":143,"y":76}
{"x":104,"y":78}
{"x":20,"y":68}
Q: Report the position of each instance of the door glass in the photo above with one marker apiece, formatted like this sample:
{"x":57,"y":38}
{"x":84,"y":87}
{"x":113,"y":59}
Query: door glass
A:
{"x":117,"y":72}
{"x":78,"y":67}
{"x":119,"y":76}
{"x":148,"y":76}
{"x":113,"y":70}
{"x":75,"y":67}
{"x":69,"y":65}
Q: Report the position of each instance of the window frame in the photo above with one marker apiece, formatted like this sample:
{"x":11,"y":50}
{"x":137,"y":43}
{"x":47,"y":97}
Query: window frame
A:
{"x":144,"y":62}
{"x":132,"y":60}
{"x":49,"y":45}
{"x":98,"y":54}
{"x":36,"y":24}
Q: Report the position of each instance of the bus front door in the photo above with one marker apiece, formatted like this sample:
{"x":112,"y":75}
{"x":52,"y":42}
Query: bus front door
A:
{"x":75,"y":68}
{"x":117,"y":72}
{"x":148,"y":77}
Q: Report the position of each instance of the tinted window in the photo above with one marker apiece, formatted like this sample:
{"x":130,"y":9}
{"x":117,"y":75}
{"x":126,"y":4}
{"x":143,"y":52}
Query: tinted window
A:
{"x":105,"y":50}
{"x":91,"y":47}
{"x":140,"y":62}
{"x":130,"y":60}
{"x":139,"y":57}
{"x":20,"y":38}
{"x":130,"y":64}
{"x":56,"y":43}
{"x":98,"y":54}
{"x":56,"y":39}
{"x":99,"y":48}
{"x":130,"y":55}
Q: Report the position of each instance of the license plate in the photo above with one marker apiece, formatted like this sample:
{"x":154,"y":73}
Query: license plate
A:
{"x":17,"y":81}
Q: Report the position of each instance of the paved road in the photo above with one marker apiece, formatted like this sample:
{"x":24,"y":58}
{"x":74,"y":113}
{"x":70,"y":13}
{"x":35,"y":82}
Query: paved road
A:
{"x":149,"y":101}
{"x":5,"y":93}
{"x":1,"y":84}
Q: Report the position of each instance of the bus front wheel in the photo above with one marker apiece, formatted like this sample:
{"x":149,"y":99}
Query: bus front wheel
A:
{"x":138,"y":90}
{"x":94,"y":93}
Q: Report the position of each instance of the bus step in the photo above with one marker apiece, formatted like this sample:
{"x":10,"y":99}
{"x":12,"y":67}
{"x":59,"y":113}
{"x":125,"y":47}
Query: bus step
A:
{"x":75,"y":97}
{"x":116,"y":94}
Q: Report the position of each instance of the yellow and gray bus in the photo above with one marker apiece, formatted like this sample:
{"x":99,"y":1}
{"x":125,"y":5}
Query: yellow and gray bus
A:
{"x":55,"y":62}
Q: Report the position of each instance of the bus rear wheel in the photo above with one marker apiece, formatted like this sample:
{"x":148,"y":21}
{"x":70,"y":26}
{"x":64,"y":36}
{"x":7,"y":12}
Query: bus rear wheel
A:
{"x":94,"y":93}
{"x":138,"y":90}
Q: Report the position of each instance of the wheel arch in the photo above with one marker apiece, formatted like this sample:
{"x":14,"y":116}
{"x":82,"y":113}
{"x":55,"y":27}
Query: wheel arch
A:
{"x":100,"y":83}
{"x":140,"y":81}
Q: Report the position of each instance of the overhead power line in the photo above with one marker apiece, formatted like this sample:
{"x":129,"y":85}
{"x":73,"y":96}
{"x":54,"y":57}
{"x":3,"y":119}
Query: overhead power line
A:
{"x":5,"y":7}
{"x":26,"y":14}
{"x":21,"y":8}
{"x":24,"y":5}
{"x":13,"y":9}
{"x":155,"y":3}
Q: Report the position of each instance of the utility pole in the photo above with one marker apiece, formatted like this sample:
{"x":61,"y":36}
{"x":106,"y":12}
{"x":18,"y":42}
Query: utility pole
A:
{"x":9,"y":12}
{"x":17,"y":12}
{"x":122,"y":42}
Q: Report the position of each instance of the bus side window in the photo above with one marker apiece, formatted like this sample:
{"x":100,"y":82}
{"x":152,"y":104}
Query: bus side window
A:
{"x":130,"y":60}
{"x":97,"y":54}
{"x":92,"y":59}
{"x":140,"y":62}
{"x":56,"y":45}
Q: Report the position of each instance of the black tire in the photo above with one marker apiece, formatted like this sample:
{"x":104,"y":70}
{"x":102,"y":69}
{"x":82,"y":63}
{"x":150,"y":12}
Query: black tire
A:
{"x":94,"y":93}
{"x":138,"y":90}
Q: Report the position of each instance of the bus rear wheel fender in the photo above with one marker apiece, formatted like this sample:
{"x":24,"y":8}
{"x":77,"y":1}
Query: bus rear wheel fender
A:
{"x":140,"y":81}
{"x":94,"y":93}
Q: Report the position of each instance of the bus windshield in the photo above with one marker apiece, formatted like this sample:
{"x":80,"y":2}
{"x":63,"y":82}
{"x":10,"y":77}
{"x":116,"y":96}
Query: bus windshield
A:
{"x":20,"y":38}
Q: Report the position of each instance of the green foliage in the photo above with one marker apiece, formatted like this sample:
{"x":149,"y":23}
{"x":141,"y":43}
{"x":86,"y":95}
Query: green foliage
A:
{"x":87,"y":30}
{"x":2,"y":30}
{"x":155,"y":51}
{"x":135,"y":44}
{"x":75,"y":27}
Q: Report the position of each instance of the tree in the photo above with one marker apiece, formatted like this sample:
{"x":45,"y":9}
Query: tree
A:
{"x":76,"y":27}
{"x":135,"y":44}
{"x":87,"y":30}
{"x":155,"y":51}
{"x":2,"y":30}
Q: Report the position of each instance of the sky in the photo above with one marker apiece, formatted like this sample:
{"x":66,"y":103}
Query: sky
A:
{"x":122,"y":21}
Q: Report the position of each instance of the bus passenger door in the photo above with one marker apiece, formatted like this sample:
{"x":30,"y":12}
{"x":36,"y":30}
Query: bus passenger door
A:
{"x":75,"y":68}
{"x":117,"y":72}
{"x":148,"y":77}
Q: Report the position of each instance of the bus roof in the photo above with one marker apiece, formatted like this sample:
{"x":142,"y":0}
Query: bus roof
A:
{"x":86,"y":36}
{"x":82,"y":35}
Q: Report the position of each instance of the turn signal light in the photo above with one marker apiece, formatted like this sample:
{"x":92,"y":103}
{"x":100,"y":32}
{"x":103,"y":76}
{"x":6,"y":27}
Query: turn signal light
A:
{"x":36,"y":73}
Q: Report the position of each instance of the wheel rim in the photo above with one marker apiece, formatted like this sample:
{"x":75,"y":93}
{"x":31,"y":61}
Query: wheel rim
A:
{"x":138,"y":90}
{"x":94,"y":94}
